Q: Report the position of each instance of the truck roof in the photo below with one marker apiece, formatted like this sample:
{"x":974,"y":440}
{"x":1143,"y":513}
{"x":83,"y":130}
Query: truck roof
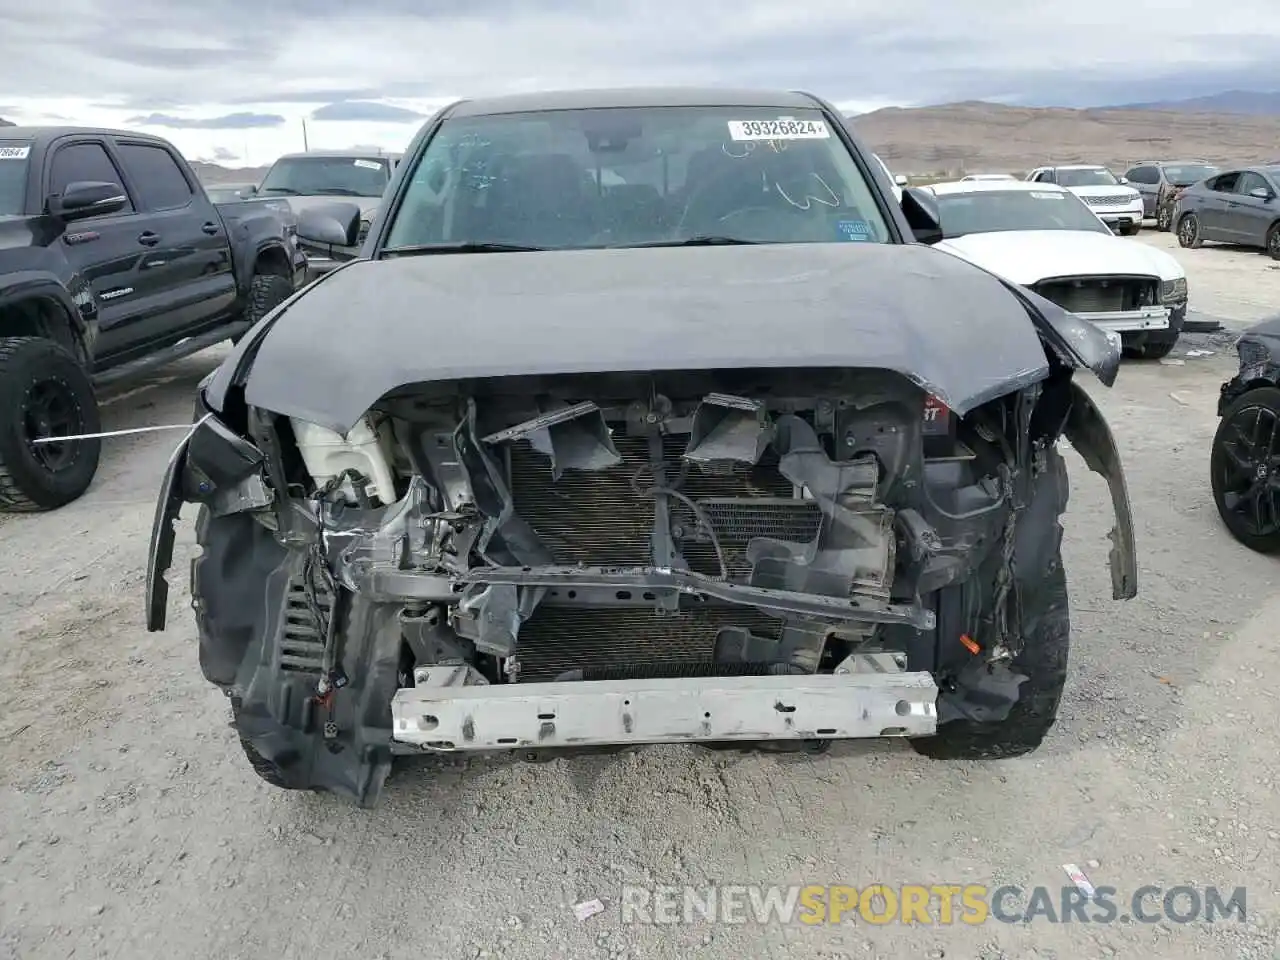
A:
{"x":633,"y":97}
{"x":993,"y":186}
{"x":359,"y":154}
{"x":43,"y":135}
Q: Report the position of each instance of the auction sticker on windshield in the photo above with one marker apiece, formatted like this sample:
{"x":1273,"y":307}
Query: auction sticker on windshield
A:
{"x":14,"y":153}
{"x":1044,"y":195}
{"x":784,"y":128}
{"x":369,"y":164}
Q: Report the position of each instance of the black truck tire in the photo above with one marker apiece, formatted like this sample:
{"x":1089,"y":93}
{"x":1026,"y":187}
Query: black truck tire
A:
{"x":266,"y":292}
{"x":1043,"y":660}
{"x":44,"y":391}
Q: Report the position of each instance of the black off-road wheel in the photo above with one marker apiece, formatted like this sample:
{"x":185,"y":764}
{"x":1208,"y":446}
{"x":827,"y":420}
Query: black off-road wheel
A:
{"x":1164,"y":216}
{"x":1189,"y":231}
{"x":266,"y":292}
{"x":1131,"y":230}
{"x":44,"y":393}
{"x":1273,"y":242}
{"x":1244,"y":469}
{"x":1043,"y":660}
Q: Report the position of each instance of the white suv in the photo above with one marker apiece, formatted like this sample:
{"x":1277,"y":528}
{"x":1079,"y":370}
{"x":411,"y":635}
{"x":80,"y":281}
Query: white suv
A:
{"x":1116,"y":204}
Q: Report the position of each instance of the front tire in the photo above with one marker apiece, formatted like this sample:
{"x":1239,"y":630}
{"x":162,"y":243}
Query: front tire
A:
{"x":1189,"y":232}
{"x":1164,"y":217}
{"x":1131,"y":230}
{"x":44,"y":392}
{"x":1273,"y":242}
{"x":1244,"y":469}
{"x":1043,"y":660}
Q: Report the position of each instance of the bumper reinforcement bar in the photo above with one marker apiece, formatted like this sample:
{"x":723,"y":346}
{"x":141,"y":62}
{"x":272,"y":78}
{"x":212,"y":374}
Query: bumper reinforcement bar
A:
{"x":453,"y":709}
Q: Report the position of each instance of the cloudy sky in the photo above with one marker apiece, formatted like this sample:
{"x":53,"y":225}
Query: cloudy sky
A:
{"x":232,"y":80}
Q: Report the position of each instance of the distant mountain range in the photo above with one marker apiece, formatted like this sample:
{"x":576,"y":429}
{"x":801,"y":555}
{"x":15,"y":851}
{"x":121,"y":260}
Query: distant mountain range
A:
{"x":974,"y":136}
{"x":1255,"y":103}
{"x":1228,"y":127}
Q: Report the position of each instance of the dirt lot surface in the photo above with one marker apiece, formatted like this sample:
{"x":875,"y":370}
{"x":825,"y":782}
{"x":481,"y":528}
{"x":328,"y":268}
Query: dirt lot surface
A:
{"x":131,"y":826}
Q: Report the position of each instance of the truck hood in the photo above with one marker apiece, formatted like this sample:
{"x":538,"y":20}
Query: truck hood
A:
{"x":372,"y":326}
{"x":368,"y":205}
{"x":1028,"y":256}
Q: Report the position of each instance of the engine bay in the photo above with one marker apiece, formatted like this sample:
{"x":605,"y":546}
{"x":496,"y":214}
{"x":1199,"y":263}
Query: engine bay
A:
{"x":540,"y":536}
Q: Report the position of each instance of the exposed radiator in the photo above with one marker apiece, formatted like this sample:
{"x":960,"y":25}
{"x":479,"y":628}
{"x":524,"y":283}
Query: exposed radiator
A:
{"x":736,"y":522}
{"x":1099,"y":294}
{"x":598,"y":518}
{"x":628,"y":642}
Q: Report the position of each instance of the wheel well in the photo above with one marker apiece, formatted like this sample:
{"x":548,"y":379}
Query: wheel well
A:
{"x":1258,"y":383}
{"x":273,"y":260}
{"x":40,"y":317}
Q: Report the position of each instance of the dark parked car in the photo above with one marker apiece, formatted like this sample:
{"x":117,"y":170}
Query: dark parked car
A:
{"x":1237,"y":206}
{"x":313,"y":180}
{"x":645,"y":416}
{"x":112,"y":261}
{"x":230,"y":192}
{"x":1161,"y":181}
{"x":1245,"y":457}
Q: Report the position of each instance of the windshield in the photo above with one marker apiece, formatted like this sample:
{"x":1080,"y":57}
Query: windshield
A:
{"x":997,"y":211}
{"x":327,"y":176}
{"x":1088,"y":177}
{"x":1183,"y":175}
{"x":642,"y":175}
{"x":13,"y":177}
{"x":224,"y":194}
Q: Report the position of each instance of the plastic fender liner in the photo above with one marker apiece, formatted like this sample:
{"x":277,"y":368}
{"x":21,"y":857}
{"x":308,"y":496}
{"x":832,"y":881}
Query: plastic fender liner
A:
{"x":206,"y":467}
{"x":1092,"y":439}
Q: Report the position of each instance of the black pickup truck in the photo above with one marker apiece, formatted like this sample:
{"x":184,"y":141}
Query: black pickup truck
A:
{"x":113,"y":261}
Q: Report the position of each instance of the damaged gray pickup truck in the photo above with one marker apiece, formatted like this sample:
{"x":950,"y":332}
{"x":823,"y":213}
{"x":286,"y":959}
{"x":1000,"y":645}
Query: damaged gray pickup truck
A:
{"x":644,"y":417}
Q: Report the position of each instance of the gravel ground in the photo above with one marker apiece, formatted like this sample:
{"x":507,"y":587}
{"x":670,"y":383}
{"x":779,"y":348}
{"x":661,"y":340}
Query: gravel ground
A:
{"x":132,"y":827}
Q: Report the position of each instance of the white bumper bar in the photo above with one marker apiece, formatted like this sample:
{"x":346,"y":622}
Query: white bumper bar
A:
{"x":442,"y":714}
{"x":1130,"y":321}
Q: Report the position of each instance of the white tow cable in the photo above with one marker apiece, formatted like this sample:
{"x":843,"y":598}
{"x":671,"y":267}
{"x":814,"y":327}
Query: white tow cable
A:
{"x":114,"y":433}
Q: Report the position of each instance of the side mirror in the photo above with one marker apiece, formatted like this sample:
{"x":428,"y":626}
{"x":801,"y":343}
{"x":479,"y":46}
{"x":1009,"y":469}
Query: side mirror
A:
{"x":1123,"y":179}
{"x":251,"y":190}
{"x":86,"y":198}
{"x":330,"y":225}
{"x":901,"y":180}
{"x":1261,"y":193}
{"x":921,"y":210}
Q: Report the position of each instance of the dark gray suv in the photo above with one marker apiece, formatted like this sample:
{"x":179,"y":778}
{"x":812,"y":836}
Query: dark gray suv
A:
{"x":1160,"y":182}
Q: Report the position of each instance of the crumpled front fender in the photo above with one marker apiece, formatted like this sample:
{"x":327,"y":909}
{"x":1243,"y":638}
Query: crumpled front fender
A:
{"x":210,"y":466}
{"x":1075,"y":340}
{"x":1092,"y":439}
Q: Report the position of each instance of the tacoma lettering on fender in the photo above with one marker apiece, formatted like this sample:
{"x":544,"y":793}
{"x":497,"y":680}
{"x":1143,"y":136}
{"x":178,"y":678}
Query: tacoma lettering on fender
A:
{"x":647,"y":417}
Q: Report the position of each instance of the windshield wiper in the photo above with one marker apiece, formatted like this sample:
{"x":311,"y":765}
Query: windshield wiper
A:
{"x":291,"y":192}
{"x":468,"y":247}
{"x":339,"y":192}
{"x":701,"y":240}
